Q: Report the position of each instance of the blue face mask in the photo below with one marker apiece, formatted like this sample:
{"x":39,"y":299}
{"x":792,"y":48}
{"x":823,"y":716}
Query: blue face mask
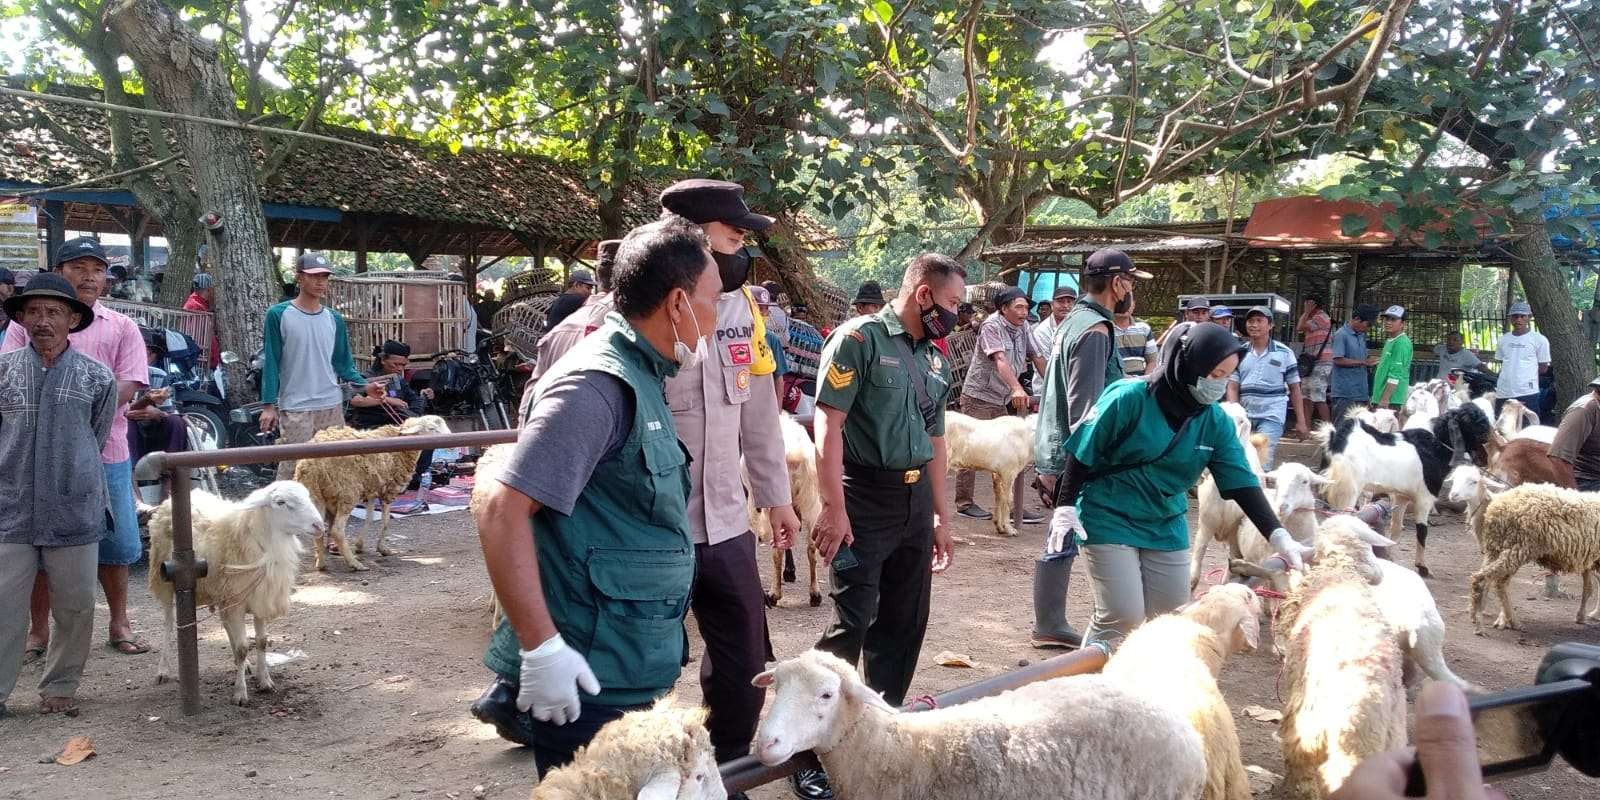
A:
{"x":1209,"y":390}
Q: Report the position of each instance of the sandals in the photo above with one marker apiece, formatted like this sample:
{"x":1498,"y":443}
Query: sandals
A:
{"x":129,"y":647}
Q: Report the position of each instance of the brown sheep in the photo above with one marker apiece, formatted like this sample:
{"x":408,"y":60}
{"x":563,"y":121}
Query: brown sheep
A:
{"x":341,"y":483}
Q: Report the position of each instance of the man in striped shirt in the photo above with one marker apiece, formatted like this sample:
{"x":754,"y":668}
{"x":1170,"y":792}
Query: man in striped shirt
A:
{"x":1136,"y":343}
{"x":1268,"y":379}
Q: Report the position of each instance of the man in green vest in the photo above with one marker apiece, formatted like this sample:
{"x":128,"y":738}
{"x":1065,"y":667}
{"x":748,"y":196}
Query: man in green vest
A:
{"x":1083,"y":362}
{"x":586,"y":533}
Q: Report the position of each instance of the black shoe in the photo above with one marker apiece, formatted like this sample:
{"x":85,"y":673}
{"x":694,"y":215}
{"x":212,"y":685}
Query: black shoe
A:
{"x":1032,"y":518}
{"x":497,"y":706}
{"x":811,"y":784}
{"x":975,"y":512}
{"x":738,"y":796}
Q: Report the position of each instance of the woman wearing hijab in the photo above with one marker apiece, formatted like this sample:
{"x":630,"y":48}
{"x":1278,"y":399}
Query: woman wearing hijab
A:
{"x":1129,"y":467}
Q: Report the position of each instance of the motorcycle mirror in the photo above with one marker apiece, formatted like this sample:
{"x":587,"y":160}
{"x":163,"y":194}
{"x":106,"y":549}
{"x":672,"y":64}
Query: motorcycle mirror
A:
{"x":230,"y":357}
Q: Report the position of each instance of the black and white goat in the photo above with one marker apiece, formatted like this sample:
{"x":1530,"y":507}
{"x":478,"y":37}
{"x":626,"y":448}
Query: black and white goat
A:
{"x":1410,"y":465}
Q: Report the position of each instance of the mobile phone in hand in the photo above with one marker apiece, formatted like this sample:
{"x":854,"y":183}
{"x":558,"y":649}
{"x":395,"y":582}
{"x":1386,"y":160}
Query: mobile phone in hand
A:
{"x":845,"y":559}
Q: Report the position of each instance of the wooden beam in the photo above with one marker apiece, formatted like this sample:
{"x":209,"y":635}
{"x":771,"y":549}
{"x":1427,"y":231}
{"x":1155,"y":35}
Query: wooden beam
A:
{"x":55,"y":222}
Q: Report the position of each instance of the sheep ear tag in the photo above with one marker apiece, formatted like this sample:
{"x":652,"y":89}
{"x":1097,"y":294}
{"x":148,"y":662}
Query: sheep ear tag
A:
{"x":662,"y":786}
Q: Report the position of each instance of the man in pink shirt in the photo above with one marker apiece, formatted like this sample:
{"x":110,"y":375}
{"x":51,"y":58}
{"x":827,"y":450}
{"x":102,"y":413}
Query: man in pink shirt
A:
{"x":113,"y":340}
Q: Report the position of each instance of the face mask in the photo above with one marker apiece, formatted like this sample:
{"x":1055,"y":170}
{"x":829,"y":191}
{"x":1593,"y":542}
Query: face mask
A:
{"x":938,"y":321}
{"x":1124,"y":305}
{"x":733,"y":267}
{"x":1209,"y":390}
{"x":686,"y":356}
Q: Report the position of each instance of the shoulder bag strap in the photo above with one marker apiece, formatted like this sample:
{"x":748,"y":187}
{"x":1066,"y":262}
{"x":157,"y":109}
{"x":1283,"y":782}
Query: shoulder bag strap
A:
{"x":919,"y":381}
{"x":1120,"y":468}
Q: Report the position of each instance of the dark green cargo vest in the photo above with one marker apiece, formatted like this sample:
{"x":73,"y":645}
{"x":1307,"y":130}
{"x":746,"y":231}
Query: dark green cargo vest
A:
{"x":617,"y":572}
{"x":1050,"y":435}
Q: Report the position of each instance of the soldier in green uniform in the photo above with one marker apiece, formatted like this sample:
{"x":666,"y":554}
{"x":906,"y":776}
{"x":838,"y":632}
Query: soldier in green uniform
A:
{"x":1082,"y":363}
{"x":881,"y":394}
{"x":586,"y":533}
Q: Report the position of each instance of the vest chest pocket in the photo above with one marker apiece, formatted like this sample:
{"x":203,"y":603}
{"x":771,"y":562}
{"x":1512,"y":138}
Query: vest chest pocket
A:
{"x":667,"y":475}
{"x":640,"y":600}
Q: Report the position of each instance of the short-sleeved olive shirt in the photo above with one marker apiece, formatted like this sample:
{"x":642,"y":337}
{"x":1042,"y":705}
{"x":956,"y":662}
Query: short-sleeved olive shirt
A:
{"x":863,"y":374}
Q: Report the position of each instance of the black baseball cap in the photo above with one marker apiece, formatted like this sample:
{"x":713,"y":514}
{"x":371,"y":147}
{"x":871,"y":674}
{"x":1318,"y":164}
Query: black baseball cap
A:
{"x":1195,"y":303}
{"x":702,"y":200}
{"x":118,"y":271}
{"x":968,"y":308}
{"x":7,"y":277}
{"x":1365,"y":312}
{"x":581,"y":276}
{"x":54,"y":287}
{"x":81,"y":247}
{"x":313,"y":264}
{"x":1064,"y":291}
{"x":1110,"y":261}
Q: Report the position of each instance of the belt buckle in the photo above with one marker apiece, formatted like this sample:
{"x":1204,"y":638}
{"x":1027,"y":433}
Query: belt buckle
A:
{"x":913,"y":475}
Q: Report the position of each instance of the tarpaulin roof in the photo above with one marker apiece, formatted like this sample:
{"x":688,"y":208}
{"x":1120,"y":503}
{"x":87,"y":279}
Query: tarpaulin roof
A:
{"x":1312,"y":222}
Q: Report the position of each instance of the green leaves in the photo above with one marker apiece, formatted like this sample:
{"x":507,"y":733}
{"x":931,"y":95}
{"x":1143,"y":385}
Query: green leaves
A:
{"x":1353,"y":225}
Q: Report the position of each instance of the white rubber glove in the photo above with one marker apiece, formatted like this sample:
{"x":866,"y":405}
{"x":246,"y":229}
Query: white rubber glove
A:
{"x":552,"y":673}
{"x":1063,"y":522}
{"x":1292,"y":552}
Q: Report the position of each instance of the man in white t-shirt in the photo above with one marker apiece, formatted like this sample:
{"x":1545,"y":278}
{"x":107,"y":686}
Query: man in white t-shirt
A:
{"x":1524,"y":355}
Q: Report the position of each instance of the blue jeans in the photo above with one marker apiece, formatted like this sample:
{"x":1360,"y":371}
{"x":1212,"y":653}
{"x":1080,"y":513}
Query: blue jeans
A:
{"x":1273,"y":430}
{"x":121,"y":545}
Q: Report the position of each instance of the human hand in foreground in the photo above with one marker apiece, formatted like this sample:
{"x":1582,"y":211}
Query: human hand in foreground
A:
{"x":1292,"y":552}
{"x":1064,"y":522}
{"x":1446,"y":745}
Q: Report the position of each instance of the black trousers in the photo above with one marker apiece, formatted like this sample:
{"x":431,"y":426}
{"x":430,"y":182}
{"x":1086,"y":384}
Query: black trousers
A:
{"x":880,"y":605}
{"x":732,"y":615}
{"x":554,"y":745}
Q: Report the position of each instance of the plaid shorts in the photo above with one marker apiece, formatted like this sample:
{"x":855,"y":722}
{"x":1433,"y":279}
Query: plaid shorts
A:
{"x":1316,"y":384}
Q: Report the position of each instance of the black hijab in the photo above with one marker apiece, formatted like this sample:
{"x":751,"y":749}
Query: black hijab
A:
{"x":1189,"y":353}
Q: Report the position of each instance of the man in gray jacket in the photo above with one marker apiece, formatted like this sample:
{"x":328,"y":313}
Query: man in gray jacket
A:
{"x":56,"y":408}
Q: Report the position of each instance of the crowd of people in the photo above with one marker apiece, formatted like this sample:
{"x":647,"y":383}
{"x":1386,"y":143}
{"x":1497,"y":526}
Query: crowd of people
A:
{"x":658,"y":387}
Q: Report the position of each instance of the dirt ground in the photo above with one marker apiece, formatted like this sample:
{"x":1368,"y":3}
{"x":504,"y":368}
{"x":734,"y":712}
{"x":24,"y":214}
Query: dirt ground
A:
{"x":377,"y":708}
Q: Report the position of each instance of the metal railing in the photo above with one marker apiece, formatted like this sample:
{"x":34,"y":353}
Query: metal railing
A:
{"x":744,"y":774}
{"x":183,"y":569}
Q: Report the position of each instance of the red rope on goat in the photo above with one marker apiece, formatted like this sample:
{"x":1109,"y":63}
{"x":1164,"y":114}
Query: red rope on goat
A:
{"x":925,"y":698}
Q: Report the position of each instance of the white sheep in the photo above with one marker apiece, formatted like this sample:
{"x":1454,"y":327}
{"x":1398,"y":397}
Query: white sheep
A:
{"x":340,"y":483}
{"x":1559,"y":529}
{"x":1291,"y":489}
{"x":800,"y":456}
{"x":1424,"y":404}
{"x":252,"y":550}
{"x":1173,"y":661}
{"x":1219,"y":519}
{"x":1002,"y":446}
{"x":1069,"y":737}
{"x":1404,"y":603}
{"x":659,"y":753}
{"x":1343,"y":669}
{"x":1473,"y":489}
{"x":485,"y":474}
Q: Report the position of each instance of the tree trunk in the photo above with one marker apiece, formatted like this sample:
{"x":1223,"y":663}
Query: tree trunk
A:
{"x":183,"y":74}
{"x":780,"y":246}
{"x":183,"y":236}
{"x":1545,"y":282}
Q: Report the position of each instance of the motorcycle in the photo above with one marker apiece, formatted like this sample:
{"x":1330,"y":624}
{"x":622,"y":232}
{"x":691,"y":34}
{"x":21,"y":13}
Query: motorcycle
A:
{"x":197,"y":393}
{"x":468,"y":384}
{"x":244,"y":424}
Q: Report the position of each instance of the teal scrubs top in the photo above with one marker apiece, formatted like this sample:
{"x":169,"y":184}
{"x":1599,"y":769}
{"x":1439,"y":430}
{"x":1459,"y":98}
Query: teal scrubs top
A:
{"x":1145,"y":507}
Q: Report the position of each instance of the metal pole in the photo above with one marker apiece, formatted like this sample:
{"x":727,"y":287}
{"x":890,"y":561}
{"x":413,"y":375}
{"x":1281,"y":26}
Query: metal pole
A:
{"x":183,"y":570}
{"x":744,"y":774}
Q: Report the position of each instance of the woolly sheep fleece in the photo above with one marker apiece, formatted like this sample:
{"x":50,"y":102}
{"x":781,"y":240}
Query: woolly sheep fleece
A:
{"x":1336,"y":642}
{"x":643,"y":747}
{"x":1082,"y":736}
{"x":1558,"y":529}
{"x":341,"y":483}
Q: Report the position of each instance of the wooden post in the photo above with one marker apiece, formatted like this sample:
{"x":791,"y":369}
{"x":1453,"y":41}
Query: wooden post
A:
{"x":363,"y":236}
{"x":55,"y":226}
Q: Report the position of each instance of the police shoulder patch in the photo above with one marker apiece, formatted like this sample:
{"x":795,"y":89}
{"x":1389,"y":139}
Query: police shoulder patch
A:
{"x":840,"y":377}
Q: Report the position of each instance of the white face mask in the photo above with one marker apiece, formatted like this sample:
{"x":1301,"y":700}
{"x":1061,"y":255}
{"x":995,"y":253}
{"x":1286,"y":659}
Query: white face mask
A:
{"x":1209,"y":390}
{"x":686,"y":356}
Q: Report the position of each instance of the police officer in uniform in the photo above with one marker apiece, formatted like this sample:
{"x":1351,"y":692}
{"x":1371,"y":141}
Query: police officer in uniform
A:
{"x":1083,"y":362}
{"x":586,"y":534}
{"x":881,"y":468}
{"x":726,"y":408}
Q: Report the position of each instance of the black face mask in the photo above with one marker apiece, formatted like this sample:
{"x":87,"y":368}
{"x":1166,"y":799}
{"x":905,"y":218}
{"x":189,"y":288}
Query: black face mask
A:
{"x":938,"y":321}
{"x":733,"y":267}
{"x":1124,"y":305}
